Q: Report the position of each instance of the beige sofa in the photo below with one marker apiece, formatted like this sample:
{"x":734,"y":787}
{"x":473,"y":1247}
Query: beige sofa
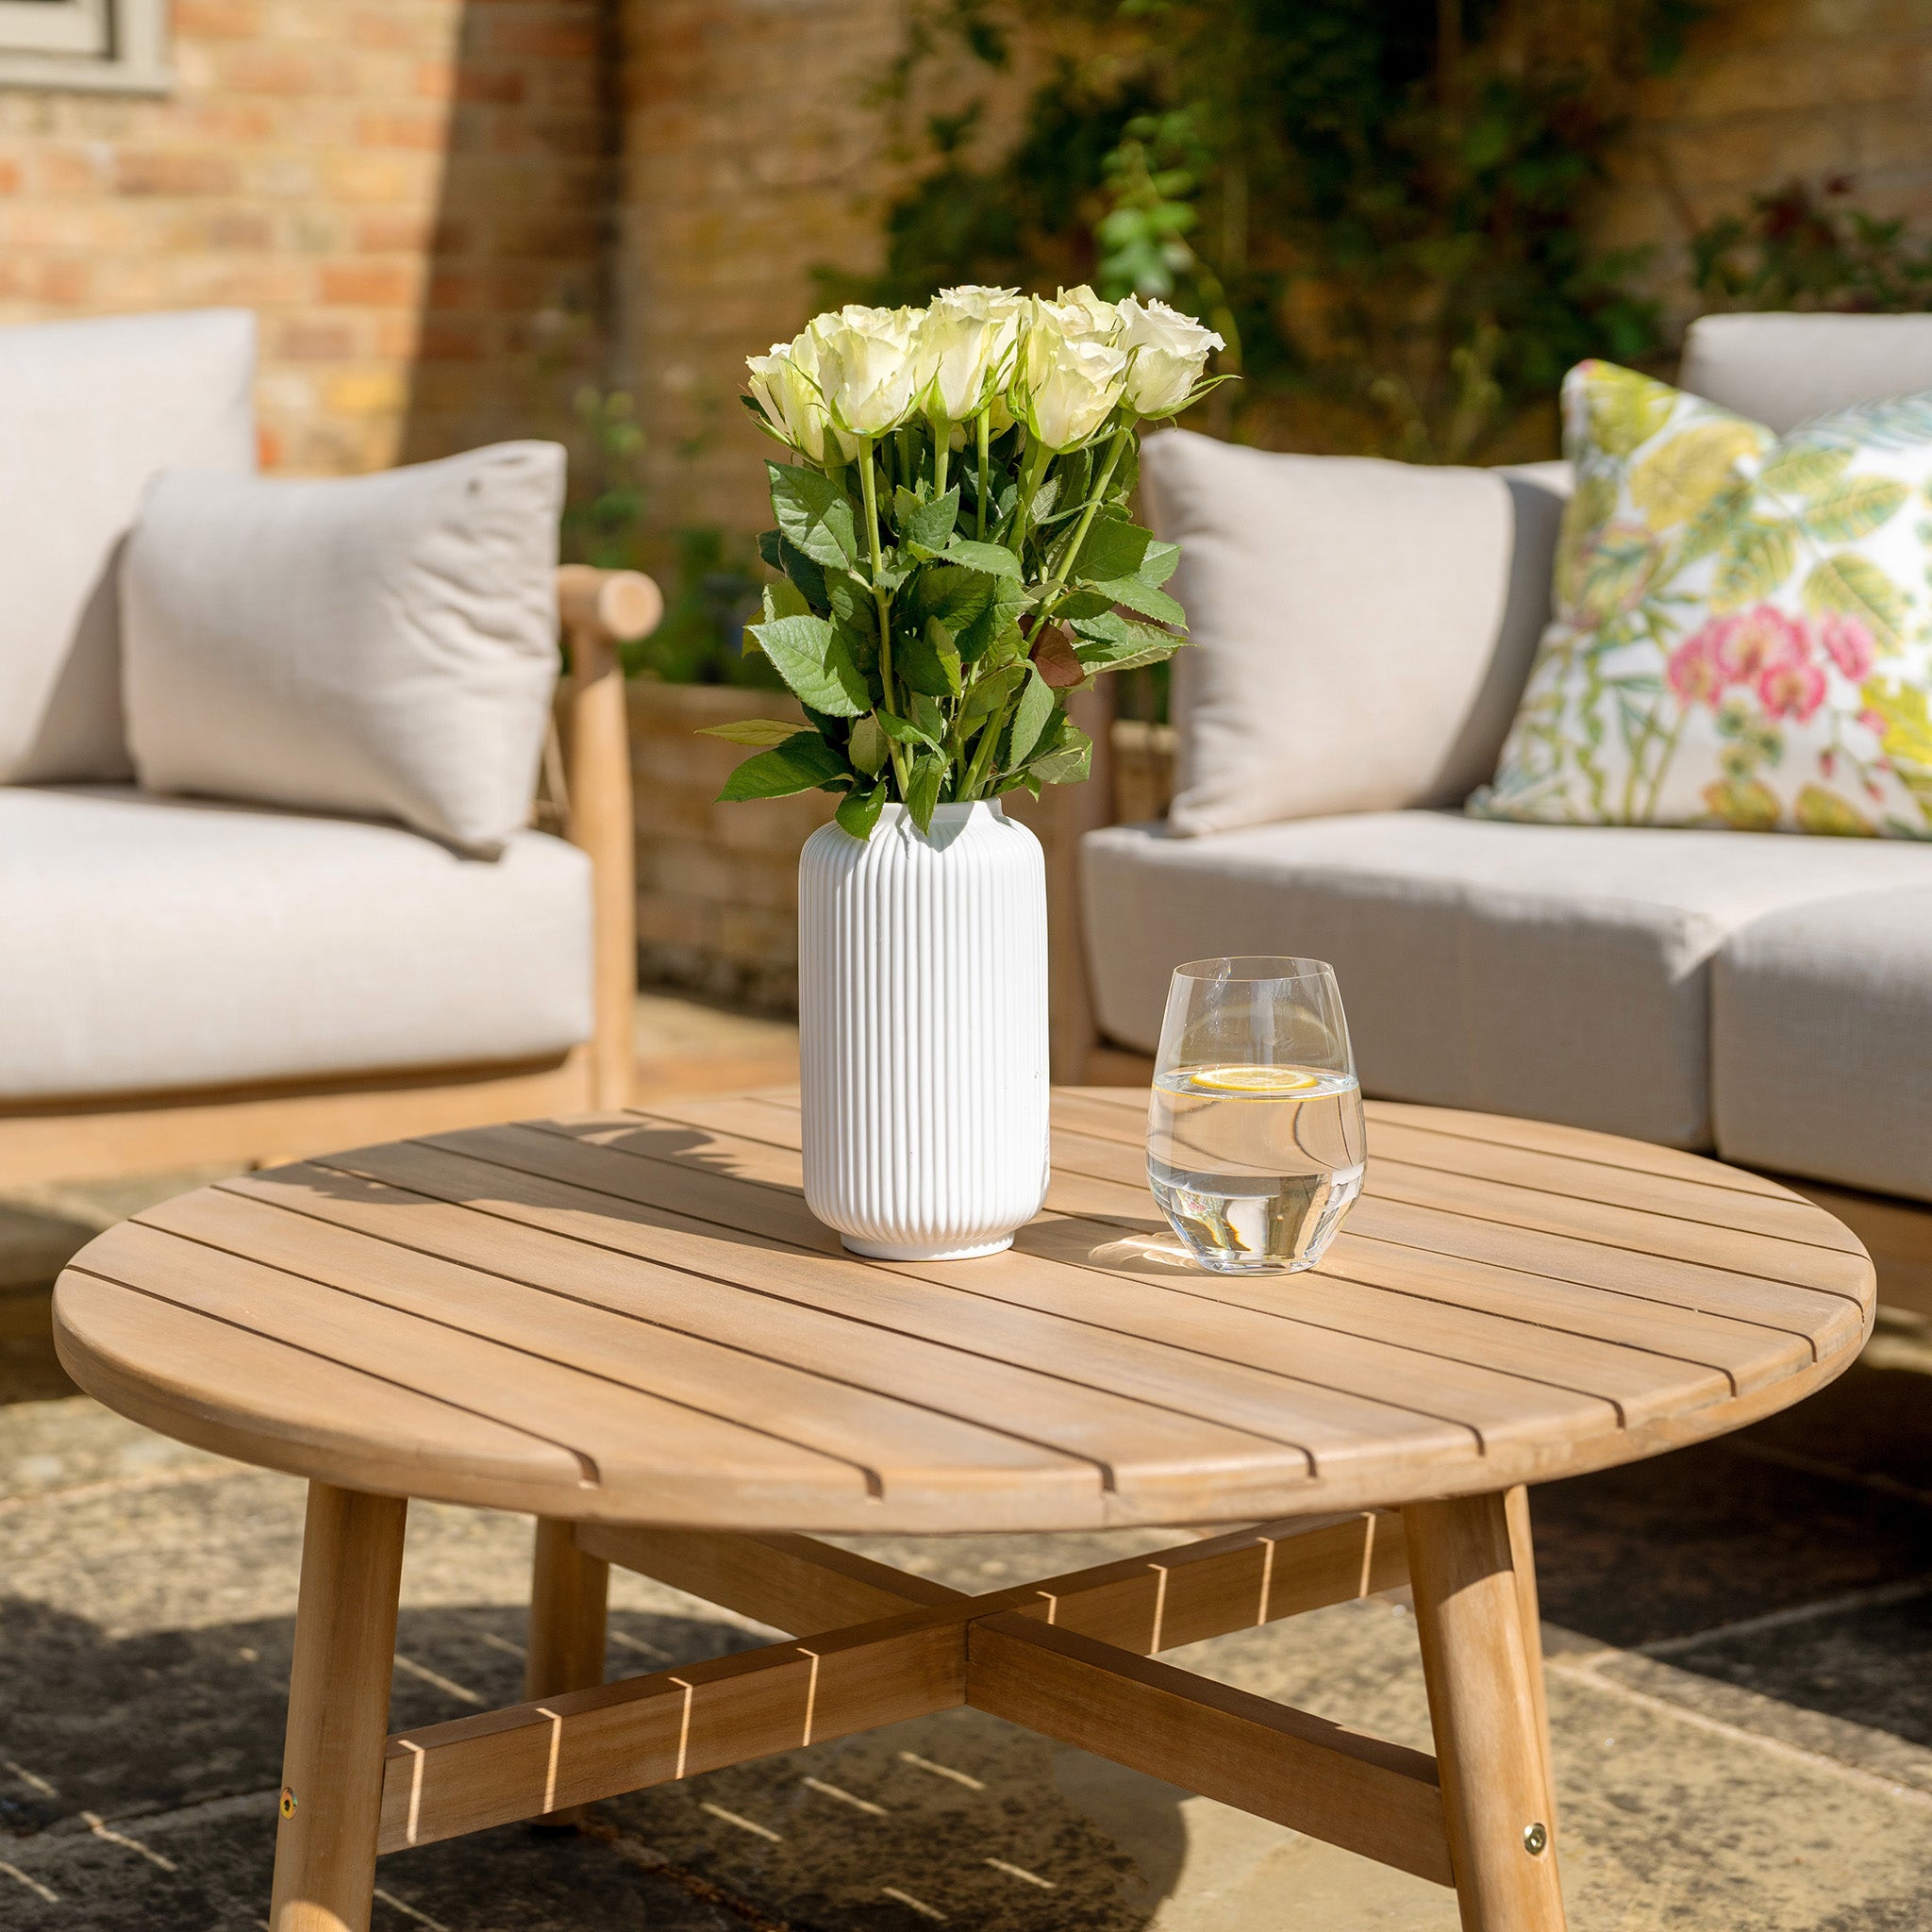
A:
{"x":1765,"y":997}
{"x":185,"y":980}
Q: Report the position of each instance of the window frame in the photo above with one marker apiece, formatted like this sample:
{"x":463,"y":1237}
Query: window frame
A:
{"x":88,"y":45}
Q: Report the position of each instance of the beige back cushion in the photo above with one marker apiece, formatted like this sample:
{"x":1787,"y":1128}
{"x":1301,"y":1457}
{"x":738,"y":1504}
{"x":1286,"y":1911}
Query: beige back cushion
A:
{"x":381,"y":645}
{"x":1362,"y":628}
{"x":1783,"y":369}
{"x":89,"y":412}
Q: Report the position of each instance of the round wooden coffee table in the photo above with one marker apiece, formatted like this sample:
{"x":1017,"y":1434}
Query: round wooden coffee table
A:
{"x":630,"y":1327}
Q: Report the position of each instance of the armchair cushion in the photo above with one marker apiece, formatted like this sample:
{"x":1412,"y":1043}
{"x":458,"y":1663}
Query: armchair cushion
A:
{"x":1563,"y":972}
{"x":1362,"y":628}
{"x":155,"y":944}
{"x":1783,"y":369}
{"x":380,"y":645}
{"x":1822,"y":1040}
{"x":91,"y":411}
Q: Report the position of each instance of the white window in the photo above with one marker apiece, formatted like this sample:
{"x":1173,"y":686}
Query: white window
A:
{"x":84,"y":43}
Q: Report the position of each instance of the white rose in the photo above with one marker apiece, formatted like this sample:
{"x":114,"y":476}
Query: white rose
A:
{"x":965,"y":342}
{"x":1086,"y":317}
{"x":785,"y":385}
{"x":866,"y":367}
{"x":1170,"y":352}
{"x":1066,"y":384}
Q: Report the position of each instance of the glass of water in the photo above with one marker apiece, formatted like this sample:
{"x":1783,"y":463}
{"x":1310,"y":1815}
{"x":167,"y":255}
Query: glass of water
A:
{"x":1254,"y":1138}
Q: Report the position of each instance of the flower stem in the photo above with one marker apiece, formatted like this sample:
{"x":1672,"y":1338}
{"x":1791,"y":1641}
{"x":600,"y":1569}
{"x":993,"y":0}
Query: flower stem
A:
{"x":881,"y":598}
{"x":941,"y":449}
{"x":1037,"y":458}
{"x":983,"y":429}
{"x":1093,"y":503}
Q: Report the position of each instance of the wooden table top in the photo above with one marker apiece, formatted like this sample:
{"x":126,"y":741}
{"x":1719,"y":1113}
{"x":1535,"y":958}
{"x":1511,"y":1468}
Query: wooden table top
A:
{"x":634,"y":1318}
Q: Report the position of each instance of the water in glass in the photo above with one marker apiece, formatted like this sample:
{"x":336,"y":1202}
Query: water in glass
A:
{"x":1255,"y":1137}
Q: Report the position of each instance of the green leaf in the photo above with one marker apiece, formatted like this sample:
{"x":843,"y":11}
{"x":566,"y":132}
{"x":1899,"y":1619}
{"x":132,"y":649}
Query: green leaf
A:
{"x":1031,"y":717}
{"x":1757,"y":560}
{"x":923,"y":791}
{"x":1158,"y":565}
{"x":955,"y":595}
{"x":803,"y":761}
{"x":814,"y":664}
{"x":1801,"y":468}
{"x":859,"y":812}
{"x":1113,"y":642}
{"x":909,"y":731}
{"x":785,"y":599}
{"x":993,"y":558}
{"x":994,"y":631}
{"x":929,"y":661}
{"x":1068,"y":762}
{"x":1115,"y":547}
{"x":1856,"y":508}
{"x":794,"y":565}
{"x":928,"y":524}
{"x":1856,"y":586}
{"x":813,"y":514}
{"x":866,"y":747}
{"x":1143,"y":597}
{"x":991,"y":692}
{"x":756,"y":731}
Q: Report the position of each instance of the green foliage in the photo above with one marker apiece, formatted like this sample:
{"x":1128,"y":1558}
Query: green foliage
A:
{"x":932,"y":635}
{"x":604,"y":503}
{"x":1797,"y":248}
{"x":1376,"y":202}
{"x":713,"y":593}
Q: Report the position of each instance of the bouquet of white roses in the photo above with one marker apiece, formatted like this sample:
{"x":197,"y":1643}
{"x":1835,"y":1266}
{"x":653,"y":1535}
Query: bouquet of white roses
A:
{"x":954,"y":546}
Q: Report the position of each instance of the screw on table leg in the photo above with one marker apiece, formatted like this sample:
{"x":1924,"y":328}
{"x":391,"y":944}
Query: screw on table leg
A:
{"x":345,"y":1635}
{"x":1490,"y":1741}
{"x":568,"y":1595}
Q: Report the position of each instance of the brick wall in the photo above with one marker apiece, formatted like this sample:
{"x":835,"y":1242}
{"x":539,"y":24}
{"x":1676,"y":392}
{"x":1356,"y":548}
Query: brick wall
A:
{"x":408,"y":192}
{"x":1773,"y":90}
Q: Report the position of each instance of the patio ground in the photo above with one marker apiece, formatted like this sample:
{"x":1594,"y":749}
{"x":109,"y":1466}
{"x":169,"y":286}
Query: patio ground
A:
{"x":1740,"y":1660}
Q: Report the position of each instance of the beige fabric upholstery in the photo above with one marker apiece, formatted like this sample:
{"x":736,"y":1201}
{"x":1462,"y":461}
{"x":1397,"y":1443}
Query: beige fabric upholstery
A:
{"x":1362,"y":629}
{"x":151,"y":944}
{"x":1783,"y":369}
{"x":1553,"y":971}
{"x":383,"y":644}
{"x":89,"y":412}
{"x":1822,"y":1040}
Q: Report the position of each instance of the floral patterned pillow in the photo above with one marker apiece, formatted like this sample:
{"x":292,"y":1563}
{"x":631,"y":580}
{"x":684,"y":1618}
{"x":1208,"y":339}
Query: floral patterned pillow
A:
{"x":1744,"y":624}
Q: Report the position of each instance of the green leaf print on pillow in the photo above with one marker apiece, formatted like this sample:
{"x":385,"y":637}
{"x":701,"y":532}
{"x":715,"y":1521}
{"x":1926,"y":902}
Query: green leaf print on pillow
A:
{"x":1742,"y":633}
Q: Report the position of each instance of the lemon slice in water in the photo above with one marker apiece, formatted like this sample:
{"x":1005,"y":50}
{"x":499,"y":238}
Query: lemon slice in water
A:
{"x":1272,"y":1082}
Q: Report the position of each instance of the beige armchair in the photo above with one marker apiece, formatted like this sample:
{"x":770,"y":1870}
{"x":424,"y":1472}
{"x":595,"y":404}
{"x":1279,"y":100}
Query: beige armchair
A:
{"x":202,"y":978}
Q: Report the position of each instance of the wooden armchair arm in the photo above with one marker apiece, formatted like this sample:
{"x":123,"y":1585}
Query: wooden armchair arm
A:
{"x":599,"y":610}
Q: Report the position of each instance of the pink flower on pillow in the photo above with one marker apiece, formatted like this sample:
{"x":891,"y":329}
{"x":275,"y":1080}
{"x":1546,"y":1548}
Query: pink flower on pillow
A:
{"x":1750,"y":643}
{"x":1694,"y":675}
{"x":1791,"y":686}
{"x":1849,"y":646}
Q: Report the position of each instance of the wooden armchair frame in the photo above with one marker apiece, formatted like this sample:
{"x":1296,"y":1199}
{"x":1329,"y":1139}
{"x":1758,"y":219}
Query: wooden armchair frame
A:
{"x":103,"y":1134}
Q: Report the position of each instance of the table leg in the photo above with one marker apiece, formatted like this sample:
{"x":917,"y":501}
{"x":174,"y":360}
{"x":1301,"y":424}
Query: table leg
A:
{"x":1477,"y":1657}
{"x":568,"y":1594}
{"x":1523,"y":1557}
{"x":345,"y":1636}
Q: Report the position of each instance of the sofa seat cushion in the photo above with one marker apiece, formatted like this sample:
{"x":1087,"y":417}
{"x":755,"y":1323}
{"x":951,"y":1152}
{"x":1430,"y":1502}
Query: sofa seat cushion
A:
{"x":153,"y":944}
{"x":1561,"y":973}
{"x":1822,"y":1040}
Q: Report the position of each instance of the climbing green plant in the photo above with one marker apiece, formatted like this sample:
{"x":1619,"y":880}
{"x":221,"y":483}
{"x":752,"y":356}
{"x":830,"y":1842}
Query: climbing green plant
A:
{"x":1801,"y":247}
{"x":1376,"y":203}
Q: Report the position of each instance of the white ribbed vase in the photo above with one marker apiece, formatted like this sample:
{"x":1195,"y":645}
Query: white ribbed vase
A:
{"x":922,"y":993}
